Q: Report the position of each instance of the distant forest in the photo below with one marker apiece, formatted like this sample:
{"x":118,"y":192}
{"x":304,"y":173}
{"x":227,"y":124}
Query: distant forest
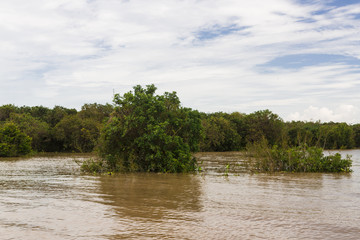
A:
{"x":41,"y":129}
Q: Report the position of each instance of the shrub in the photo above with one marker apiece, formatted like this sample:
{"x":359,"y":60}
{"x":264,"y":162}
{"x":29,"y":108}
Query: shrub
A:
{"x":261,"y":157}
{"x":92,"y":166}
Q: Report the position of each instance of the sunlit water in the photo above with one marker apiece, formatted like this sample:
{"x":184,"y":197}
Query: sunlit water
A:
{"x":48,"y":198}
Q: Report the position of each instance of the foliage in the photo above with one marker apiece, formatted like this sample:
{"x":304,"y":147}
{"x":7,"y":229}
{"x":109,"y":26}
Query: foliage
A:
{"x":96,"y":111}
{"x":356,"y":131}
{"x":39,"y":131}
{"x":92,"y":166}
{"x":149,"y":132}
{"x":6,"y":110}
{"x":59,"y":129}
{"x":77,"y":134}
{"x":340,"y":136}
{"x":262,"y":157}
{"x":326,"y":135}
{"x":220,"y":134}
{"x":13,"y":142}
{"x":264,"y":124}
{"x":63,"y":129}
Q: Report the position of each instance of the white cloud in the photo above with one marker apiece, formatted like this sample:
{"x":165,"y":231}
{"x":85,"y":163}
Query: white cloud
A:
{"x":87,"y":48}
{"x":342,"y":113}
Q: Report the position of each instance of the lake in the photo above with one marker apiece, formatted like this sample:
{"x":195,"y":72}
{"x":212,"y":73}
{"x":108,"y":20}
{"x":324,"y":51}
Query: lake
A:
{"x":48,"y":198}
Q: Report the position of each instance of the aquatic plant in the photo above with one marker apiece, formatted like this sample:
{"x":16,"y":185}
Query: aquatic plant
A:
{"x":263,"y":158}
{"x":92,"y":166}
{"x":227,"y":167}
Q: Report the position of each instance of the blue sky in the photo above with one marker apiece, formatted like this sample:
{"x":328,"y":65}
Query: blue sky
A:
{"x":298,"y":58}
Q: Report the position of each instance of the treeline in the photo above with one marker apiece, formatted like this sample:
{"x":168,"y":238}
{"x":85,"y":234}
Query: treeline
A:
{"x":51,"y":130}
{"x":231,"y":132}
{"x":60,"y":129}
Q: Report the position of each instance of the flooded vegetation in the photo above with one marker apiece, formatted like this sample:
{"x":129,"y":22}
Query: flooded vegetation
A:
{"x":143,"y":138}
{"x":47,"y":197}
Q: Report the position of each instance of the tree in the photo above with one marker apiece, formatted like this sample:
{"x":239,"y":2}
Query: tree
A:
{"x":96,"y":111}
{"x":300,"y":133}
{"x":77,"y":134}
{"x":264,"y":124}
{"x":6,"y":110}
{"x":220,"y":134}
{"x":57,"y":114}
{"x":13,"y":142}
{"x":341,"y":135}
{"x":38,"y":130}
{"x":148,"y":132}
{"x":356,"y":130}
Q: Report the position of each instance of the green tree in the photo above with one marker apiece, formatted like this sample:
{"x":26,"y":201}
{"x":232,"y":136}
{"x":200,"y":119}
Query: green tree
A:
{"x":6,"y":110}
{"x":13,"y":142}
{"x":96,"y":111}
{"x":57,"y":114}
{"x":239,"y":122}
{"x":77,"y":134}
{"x":340,"y":135}
{"x":39,"y":112}
{"x":220,"y":134}
{"x":149,"y":132}
{"x":38,"y":130}
{"x":300,"y":133}
{"x":356,"y":130}
{"x":264,"y":124}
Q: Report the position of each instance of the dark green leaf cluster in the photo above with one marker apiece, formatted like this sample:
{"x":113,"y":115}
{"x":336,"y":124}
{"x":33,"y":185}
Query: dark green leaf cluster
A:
{"x":149,"y":132}
{"x":13,"y":142}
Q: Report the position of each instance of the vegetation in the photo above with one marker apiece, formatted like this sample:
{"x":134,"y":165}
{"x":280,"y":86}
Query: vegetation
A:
{"x":13,"y":142}
{"x":149,"y":132}
{"x":263,"y":158}
{"x":143,"y":131}
{"x":59,"y":129}
{"x":232,"y":132}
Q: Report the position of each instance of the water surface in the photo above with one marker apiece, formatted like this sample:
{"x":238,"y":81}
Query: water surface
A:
{"x":48,"y":198}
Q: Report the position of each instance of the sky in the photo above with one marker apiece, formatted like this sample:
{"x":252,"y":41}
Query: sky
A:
{"x":298,"y":58}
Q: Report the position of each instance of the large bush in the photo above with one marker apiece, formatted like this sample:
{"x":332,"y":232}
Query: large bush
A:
{"x":149,"y":132}
{"x":13,"y":142}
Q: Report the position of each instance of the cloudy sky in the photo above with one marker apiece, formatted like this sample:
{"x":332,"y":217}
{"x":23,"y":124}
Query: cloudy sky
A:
{"x":298,"y":58}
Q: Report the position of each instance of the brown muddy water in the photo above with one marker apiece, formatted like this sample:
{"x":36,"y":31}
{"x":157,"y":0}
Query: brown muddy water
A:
{"x":48,"y":198}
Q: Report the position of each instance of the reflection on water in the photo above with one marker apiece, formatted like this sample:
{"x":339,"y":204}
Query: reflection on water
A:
{"x":152,"y":205}
{"x":47,"y":198}
{"x":154,"y":196}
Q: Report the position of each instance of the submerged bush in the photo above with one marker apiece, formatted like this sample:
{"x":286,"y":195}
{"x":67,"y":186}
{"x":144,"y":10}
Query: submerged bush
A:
{"x":261,"y":157}
{"x":151,"y":133}
{"x":92,"y":166}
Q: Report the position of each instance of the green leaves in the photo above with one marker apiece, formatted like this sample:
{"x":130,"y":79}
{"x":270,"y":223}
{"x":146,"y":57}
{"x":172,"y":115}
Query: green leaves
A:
{"x":262,"y":157}
{"x":149,"y":132}
{"x":13,"y":142}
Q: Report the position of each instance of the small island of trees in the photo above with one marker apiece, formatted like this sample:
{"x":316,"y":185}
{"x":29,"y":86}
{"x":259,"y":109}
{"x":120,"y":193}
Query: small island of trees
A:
{"x":143,"y":131}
